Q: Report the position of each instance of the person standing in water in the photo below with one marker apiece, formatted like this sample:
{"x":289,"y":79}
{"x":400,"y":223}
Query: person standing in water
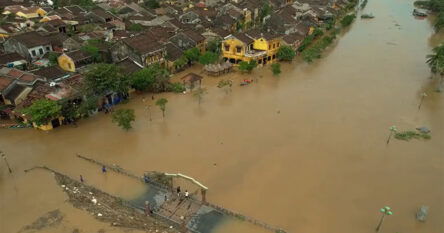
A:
{"x":103,"y":169}
{"x":81,"y":178}
{"x":178,"y":191}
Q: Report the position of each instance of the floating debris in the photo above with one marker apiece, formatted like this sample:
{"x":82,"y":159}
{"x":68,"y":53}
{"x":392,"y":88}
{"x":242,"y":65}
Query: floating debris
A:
{"x":422,"y":213}
{"x":423,"y":129}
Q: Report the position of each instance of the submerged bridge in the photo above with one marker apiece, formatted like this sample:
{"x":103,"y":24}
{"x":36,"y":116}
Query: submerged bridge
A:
{"x":191,"y":213}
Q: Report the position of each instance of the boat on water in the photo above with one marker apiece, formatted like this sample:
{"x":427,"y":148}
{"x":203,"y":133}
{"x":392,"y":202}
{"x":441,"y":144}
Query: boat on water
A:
{"x":419,"y":13}
{"x":367,"y":16}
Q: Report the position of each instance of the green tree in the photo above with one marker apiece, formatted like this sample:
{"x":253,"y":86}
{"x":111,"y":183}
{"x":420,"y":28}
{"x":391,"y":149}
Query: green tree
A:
{"x":104,"y":78}
{"x":192,"y":54}
{"x":214,"y":46}
{"x":182,"y":61}
{"x":436,"y":63}
{"x":123,"y":118}
{"x":247,"y":66}
{"x":52,"y":57}
{"x":285,"y":53}
{"x":265,"y":10}
{"x":162,"y":105}
{"x":88,"y":105}
{"x":153,"y":78}
{"x":347,"y":20}
{"x":135,"y":27}
{"x":43,"y":111}
{"x":276,"y":68}
{"x":199,"y":93}
{"x":439,"y":22}
{"x":310,"y":54}
{"x":208,"y":58}
{"x":152,"y":4}
{"x":92,"y":51}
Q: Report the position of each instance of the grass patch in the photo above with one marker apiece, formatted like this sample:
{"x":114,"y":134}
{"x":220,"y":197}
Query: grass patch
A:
{"x":409,"y":134}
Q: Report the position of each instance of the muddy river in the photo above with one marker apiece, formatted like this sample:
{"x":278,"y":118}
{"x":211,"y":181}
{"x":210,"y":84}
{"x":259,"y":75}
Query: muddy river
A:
{"x":305,"y":151}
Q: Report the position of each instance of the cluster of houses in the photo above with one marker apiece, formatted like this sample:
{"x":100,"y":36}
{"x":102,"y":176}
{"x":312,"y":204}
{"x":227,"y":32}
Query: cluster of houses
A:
{"x":42,"y":53}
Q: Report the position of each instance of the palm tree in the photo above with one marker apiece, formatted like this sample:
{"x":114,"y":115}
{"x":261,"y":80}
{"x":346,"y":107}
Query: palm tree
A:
{"x":436,"y":63}
{"x":162,"y":105}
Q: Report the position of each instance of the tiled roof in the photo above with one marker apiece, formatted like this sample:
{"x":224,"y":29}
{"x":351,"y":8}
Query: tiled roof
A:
{"x":4,"y":82}
{"x":143,"y":43}
{"x":10,"y":57}
{"x":51,"y":72}
{"x":244,"y":38}
{"x":31,"y":39}
{"x":196,"y":37}
{"x":78,"y":55}
{"x":173,"y":52}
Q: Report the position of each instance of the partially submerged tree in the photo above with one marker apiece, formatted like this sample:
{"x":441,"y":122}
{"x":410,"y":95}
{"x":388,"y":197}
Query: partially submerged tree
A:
{"x":42,"y":111}
{"x":123,"y":118}
{"x":347,"y":20}
{"x":436,"y":63}
{"x":247,"y":66}
{"x":153,"y":78}
{"x":199,"y":93}
{"x":276,"y":69}
{"x":285,"y":53}
{"x":226,"y":85}
{"x":162,"y":105}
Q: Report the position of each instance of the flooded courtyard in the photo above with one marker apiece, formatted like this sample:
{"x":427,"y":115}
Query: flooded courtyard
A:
{"x":305,"y":151}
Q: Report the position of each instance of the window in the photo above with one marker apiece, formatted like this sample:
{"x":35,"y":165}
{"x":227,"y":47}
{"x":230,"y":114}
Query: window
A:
{"x":40,"y":51}
{"x":251,"y":47}
{"x":48,"y":48}
{"x":227,"y":48}
{"x":279,"y":44}
{"x":33,"y":53}
{"x":269,"y":58}
{"x":274,"y":45}
{"x":238,"y":49}
{"x":274,"y":57}
{"x":269,"y":46}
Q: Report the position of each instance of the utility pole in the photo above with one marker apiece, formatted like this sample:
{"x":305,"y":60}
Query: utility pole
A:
{"x":149,"y":112}
{"x":6,"y":161}
{"x":423,"y":95}
{"x":385,"y":211}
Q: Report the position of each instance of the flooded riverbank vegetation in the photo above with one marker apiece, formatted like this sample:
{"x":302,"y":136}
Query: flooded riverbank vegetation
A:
{"x":436,"y":7}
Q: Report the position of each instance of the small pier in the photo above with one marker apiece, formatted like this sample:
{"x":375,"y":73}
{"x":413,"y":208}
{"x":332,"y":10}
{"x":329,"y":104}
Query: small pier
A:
{"x":192,"y":213}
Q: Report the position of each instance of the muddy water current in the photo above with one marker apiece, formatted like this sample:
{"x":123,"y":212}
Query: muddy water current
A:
{"x":305,"y":151}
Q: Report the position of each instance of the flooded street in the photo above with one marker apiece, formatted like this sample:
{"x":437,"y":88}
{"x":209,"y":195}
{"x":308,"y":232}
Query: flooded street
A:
{"x":306,"y":151}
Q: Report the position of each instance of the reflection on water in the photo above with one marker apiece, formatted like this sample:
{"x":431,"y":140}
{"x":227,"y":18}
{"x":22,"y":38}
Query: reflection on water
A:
{"x":305,"y":151}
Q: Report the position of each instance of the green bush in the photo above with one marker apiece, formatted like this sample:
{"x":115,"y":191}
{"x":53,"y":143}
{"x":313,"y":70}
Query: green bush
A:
{"x":276,"y":68}
{"x":347,"y":20}
{"x":176,"y":87}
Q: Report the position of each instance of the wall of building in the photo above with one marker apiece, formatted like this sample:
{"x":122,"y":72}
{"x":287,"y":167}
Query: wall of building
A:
{"x":66,"y":63}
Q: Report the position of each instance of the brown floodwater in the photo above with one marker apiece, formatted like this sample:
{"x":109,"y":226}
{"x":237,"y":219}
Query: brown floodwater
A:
{"x":305,"y":151}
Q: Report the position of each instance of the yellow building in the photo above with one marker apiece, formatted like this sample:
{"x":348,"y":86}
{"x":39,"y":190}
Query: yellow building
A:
{"x":252,"y":45}
{"x":25,"y":12}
